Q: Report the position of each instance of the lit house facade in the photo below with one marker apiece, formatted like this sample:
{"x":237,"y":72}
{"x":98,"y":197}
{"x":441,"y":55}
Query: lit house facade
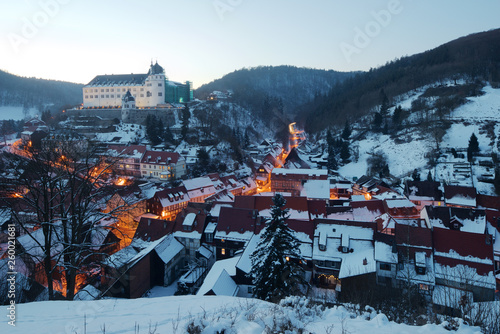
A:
{"x":149,"y":90}
{"x":163,"y":166}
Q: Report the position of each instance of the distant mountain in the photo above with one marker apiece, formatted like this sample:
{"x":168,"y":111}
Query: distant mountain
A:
{"x":32,"y":92}
{"x":474,"y":57}
{"x":293,"y":85}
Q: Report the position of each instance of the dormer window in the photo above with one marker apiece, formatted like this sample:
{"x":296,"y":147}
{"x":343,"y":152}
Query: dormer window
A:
{"x":322,"y":241}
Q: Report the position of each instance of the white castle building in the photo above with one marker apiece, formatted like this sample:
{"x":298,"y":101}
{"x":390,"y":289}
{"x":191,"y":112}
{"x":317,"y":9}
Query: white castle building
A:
{"x":149,"y":90}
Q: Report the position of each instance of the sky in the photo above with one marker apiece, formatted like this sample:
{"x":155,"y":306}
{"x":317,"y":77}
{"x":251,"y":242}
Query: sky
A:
{"x":202,"y":40}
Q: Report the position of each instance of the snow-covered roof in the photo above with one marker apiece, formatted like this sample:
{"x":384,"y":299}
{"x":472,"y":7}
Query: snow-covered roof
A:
{"x":224,"y":285}
{"x":359,"y":262}
{"x":245,"y":264}
{"x":199,"y":182}
{"x":399,"y":203}
{"x":168,"y":248}
{"x":318,"y":189}
{"x":305,"y":171}
{"x":89,"y":292}
{"x":383,"y":253}
{"x":205,"y":252}
{"x":211,"y":227}
{"x":228,"y":266}
{"x":189,"y":220}
{"x":450,"y":297}
{"x":465,"y":274}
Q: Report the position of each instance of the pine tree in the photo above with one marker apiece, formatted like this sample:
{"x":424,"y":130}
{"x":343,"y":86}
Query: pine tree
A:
{"x":415,"y":175}
{"x":377,"y":121}
{"x":396,"y":116}
{"x":345,"y":154}
{"x":186,"y":114}
{"x":429,"y":177}
{"x":276,"y":262}
{"x":346,"y":133}
{"x":473,"y":147}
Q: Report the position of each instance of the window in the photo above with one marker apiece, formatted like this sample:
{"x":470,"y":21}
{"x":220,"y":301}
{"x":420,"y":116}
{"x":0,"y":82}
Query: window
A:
{"x":112,"y":96}
{"x":102,"y":96}
{"x":112,"y":90}
{"x":86,"y":96}
{"x":102,"y":90}
{"x":385,"y":266}
{"x":160,"y":94}
{"x":209,"y":237}
{"x":322,"y":247}
{"x":250,"y":289}
{"x":159,"y":85}
{"x":424,"y":287}
{"x":420,"y":270}
{"x":223,"y":251}
{"x":107,"y":90}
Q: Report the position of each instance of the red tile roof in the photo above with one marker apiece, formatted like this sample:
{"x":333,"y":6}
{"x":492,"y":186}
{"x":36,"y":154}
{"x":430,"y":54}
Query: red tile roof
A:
{"x":158,"y":157}
{"x":150,"y":229}
{"x":239,"y":220}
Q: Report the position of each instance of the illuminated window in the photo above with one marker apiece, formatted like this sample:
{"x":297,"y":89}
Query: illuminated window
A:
{"x":223,"y":251}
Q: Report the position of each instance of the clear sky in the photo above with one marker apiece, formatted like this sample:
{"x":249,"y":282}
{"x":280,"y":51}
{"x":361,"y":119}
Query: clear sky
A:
{"x":201,"y":40}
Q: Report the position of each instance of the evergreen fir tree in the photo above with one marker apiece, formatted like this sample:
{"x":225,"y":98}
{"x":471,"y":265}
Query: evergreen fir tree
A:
{"x":332,"y":159}
{"x":168,"y":136}
{"x":429,"y":177}
{"x":186,"y":114}
{"x":396,"y":116}
{"x":345,"y":154}
{"x":276,"y":262}
{"x":415,"y":175}
{"x":384,"y":108}
{"x":346,"y":133}
{"x":473,"y":147}
{"x":377,"y":121}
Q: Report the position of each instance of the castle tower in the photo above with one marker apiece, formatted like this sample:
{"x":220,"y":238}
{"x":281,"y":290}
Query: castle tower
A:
{"x":155,"y":85}
{"x":128,"y":105}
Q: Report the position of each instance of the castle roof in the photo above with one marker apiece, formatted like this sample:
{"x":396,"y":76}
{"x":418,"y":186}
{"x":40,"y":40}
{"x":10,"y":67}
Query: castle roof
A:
{"x":128,"y":97}
{"x":118,"y":79}
{"x":156,"y":69}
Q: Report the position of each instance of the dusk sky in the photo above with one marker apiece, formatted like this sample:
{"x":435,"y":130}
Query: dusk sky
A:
{"x":201,"y":40}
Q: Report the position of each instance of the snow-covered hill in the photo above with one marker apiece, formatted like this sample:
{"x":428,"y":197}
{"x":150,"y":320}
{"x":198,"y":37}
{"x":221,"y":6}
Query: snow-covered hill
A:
{"x":408,"y":149}
{"x":210,"y":313}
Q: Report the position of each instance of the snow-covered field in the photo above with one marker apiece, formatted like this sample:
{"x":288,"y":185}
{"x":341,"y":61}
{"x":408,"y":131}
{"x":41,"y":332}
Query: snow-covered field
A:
{"x":15,"y":113}
{"x":211,"y":313}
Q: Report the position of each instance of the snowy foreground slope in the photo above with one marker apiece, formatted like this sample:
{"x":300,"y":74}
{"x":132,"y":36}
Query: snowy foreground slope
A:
{"x":173,"y":314}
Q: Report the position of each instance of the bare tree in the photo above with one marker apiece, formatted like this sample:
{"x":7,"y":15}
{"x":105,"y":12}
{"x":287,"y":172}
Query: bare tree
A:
{"x":63,"y":185}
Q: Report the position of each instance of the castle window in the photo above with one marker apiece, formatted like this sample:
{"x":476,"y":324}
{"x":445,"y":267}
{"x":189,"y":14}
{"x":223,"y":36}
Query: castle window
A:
{"x":102,"y":90}
{"x":142,"y":95}
{"x":112,"y":90}
{"x":159,"y":85}
{"x":160,"y":94}
{"x":107,"y":96}
{"x":102,"y":96}
{"x":107,"y":90}
{"x":142,"y":89}
{"x":118,"y":95}
{"x":86,"y":96}
{"x":96,"y":90}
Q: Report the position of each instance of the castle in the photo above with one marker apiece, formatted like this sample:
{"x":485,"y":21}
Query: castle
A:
{"x":149,"y":90}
